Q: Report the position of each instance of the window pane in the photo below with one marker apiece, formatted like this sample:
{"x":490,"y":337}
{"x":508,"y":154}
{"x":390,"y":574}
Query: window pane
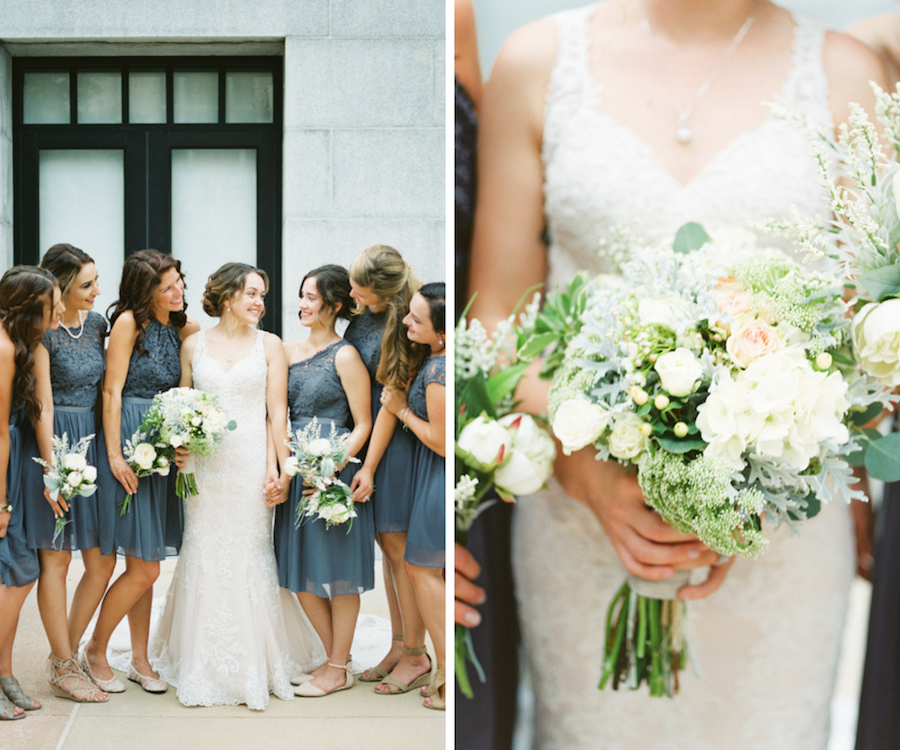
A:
{"x":213,"y":214}
{"x":100,"y":97}
{"x":196,"y":96}
{"x":46,"y":98}
{"x":147,"y":96}
{"x":249,"y":96}
{"x":82,"y":202}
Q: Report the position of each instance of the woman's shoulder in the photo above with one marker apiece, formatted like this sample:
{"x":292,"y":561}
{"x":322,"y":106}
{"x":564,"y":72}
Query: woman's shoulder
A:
{"x":96,"y":322}
{"x":850,"y":66}
{"x":434,"y":370}
{"x":529,"y":51}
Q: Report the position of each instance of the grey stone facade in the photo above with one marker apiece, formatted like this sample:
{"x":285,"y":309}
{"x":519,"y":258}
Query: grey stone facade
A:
{"x":364,"y":157}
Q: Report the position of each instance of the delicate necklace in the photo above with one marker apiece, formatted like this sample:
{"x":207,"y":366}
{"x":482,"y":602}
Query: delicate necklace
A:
{"x":684,"y":134}
{"x":80,"y":330}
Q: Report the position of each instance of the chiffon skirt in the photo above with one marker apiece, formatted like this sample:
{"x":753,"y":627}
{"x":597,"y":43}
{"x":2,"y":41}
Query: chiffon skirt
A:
{"x":151,"y":529}
{"x":92,"y":520}
{"x":425,"y":545}
{"x":324,"y":561}
{"x":394,"y":491}
{"x":18,"y":563}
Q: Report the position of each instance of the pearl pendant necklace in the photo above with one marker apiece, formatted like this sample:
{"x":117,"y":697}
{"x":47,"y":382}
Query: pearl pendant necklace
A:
{"x":683,"y":133}
{"x":80,"y":330}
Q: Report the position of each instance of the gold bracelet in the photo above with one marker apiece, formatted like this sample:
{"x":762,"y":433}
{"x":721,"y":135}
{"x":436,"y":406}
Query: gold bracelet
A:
{"x":402,"y":420}
{"x":6,"y":507}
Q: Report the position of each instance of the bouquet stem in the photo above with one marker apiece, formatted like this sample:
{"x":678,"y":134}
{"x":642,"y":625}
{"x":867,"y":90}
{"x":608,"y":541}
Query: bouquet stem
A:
{"x":186,"y":485}
{"x":61,"y":523}
{"x":645,"y":636}
{"x":126,"y":504}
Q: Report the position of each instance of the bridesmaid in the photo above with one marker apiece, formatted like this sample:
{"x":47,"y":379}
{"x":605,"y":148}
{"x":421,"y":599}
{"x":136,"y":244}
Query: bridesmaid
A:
{"x":148,"y":325}
{"x":382,"y":286}
{"x":327,"y":569}
{"x":423,"y":413}
{"x":30,"y":304}
{"x":69,"y":361}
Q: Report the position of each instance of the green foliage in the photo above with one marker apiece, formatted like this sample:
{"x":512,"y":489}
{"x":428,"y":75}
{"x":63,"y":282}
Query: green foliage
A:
{"x":883,"y":458}
{"x":882,"y":283}
{"x":690,"y":237}
{"x":557,"y":325}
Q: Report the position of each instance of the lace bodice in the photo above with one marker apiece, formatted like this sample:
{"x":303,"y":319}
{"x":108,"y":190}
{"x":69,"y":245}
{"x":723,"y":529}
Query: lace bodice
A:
{"x":365,"y":333}
{"x":589,"y":160}
{"x":76,"y":365}
{"x":431,"y":372}
{"x":160,"y":369}
{"x":315,"y":388}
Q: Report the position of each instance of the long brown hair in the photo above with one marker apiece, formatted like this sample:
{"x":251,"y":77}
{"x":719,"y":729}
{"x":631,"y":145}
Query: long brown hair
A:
{"x":65,"y":262}
{"x":383,"y":270}
{"x":25,"y":294}
{"x":141,"y":275}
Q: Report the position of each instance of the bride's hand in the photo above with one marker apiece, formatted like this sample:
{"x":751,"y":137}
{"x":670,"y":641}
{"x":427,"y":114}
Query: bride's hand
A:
{"x":467,"y":569}
{"x":181,"y":456}
{"x":716,"y":577}
{"x":647,"y":545}
{"x":362,"y":485}
{"x":271,"y":488}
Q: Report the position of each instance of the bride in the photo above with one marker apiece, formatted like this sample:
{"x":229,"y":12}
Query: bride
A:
{"x":229,"y":634}
{"x":646,"y":114}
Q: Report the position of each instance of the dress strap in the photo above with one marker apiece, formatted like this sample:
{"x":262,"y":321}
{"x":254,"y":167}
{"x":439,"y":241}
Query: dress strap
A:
{"x":806,"y":87}
{"x":571,"y":73}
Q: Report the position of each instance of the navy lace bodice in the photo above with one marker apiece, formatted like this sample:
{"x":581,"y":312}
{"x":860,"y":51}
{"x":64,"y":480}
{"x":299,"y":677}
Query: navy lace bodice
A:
{"x":365,"y":333}
{"x":431,"y":372}
{"x":315,"y":388}
{"x":76,"y":365}
{"x":158,"y":371}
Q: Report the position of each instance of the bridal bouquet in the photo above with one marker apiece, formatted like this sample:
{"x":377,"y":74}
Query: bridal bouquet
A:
{"x":68,"y":475}
{"x":862,"y":235}
{"x":496,"y":447}
{"x":190,"y":419}
{"x":726,"y":375}
{"x":317,"y":459}
{"x":145,"y":458}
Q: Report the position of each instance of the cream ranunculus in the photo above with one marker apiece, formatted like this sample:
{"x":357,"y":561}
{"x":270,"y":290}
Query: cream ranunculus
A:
{"x":291,"y":467}
{"x":627,"y":441}
{"x":75,"y":478}
{"x":876,"y":338}
{"x":533,"y":454}
{"x":486,"y":440}
{"x":751,"y":339}
{"x":679,"y":371}
{"x":319,"y":447}
{"x":175,"y":441}
{"x":90,"y":474}
{"x":144,"y":456}
{"x":74,"y":462}
{"x":578,"y":423}
{"x":671,"y":312}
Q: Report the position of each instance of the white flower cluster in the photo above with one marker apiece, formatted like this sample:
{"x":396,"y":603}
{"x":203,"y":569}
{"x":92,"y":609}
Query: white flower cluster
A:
{"x":779,"y":408}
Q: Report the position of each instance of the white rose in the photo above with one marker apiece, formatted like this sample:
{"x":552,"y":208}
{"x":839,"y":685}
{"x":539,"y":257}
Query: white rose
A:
{"x":319,"y":447}
{"x":627,"y":440}
{"x":196,"y":420}
{"x":74,"y":462}
{"x":90,"y":474}
{"x":679,"y":371}
{"x":578,"y":423}
{"x":175,"y":441}
{"x":163,"y":471}
{"x":74,"y":479}
{"x":144,"y":456}
{"x":162,"y":462}
{"x":291,"y":466}
{"x":533,"y":454}
{"x":876,"y":338}
{"x":486,"y":440}
{"x":671,"y":312}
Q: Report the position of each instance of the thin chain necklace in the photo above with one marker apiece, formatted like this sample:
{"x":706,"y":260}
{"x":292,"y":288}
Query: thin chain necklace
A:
{"x":684,"y":134}
{"x":80,"y":330}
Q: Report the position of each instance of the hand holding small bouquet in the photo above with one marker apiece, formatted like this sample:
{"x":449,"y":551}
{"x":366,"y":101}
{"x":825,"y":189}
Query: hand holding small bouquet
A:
{"x":145,"y":458}
{"x":68,"y":476}
{"x":495,"y":446}
{"x":725,"y":374}
{"x":190,"y":419}
{"x":317,"y":460}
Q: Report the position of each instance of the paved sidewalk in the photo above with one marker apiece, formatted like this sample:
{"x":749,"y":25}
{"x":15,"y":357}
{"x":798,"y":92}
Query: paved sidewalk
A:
{"x":136,"y":720}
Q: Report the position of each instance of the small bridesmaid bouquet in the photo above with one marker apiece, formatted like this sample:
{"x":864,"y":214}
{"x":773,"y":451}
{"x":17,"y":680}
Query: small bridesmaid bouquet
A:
{"x":317,"y":460}
{"x":145,"y":458}
{"x":68,"y":476}
{"x":190,"y":419}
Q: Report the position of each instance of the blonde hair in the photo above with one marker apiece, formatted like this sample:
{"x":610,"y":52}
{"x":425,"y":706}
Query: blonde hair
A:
{"x":382,"y":270}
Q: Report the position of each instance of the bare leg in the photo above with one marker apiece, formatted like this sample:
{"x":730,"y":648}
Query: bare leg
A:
{"x":344,"y":612}
{"x":51,"y":597}
{"x":126,"y":591}
{"x":97,"y":571}
{"x":318,"y":610}
{"x":408,"y":667}
{"x":11,"y":600}
{"x":139,"y":625}
{"x":430,"y":590}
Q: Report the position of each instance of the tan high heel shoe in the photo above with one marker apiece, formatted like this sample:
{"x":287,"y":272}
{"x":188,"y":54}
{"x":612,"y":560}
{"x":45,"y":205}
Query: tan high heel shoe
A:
{"x":377,"y":674}
{"x":437,"y":700}
{"x":395,"y":687}
{"x":68,"y":680}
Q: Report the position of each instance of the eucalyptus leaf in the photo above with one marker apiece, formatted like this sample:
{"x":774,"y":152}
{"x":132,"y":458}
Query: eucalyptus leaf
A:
{"x":690,"y":237}
{"x":883,"y":458}
{"x":858,"y":457}
{"x":882,"y":282}
{"x":859,"y":418}
{"x":681,"y":445}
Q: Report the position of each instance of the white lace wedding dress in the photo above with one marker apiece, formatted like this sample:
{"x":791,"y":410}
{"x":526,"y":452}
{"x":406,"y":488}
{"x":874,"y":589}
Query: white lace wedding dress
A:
{"x":768,"y":640}
{"x":229,"y":634}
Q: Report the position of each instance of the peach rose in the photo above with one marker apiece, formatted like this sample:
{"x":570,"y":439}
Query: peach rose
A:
{"x":750,"y":339}
{"x":731,"y":298}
